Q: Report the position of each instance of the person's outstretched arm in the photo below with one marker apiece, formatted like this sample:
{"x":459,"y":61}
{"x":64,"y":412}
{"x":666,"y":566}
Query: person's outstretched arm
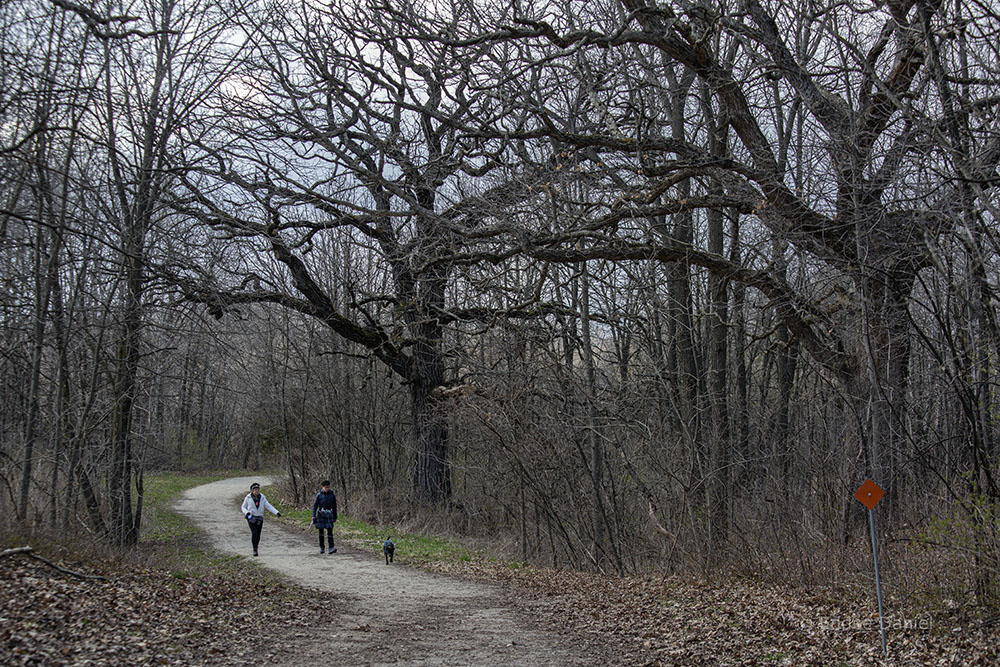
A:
{"x":268,"y":505}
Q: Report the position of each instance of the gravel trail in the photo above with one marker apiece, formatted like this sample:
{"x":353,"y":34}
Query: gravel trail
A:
{"x":382,"y":615}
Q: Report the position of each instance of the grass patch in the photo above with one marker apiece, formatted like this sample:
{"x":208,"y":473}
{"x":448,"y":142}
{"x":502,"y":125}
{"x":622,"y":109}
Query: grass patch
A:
{"x":411,"y":548}
{"x":160,"y":491}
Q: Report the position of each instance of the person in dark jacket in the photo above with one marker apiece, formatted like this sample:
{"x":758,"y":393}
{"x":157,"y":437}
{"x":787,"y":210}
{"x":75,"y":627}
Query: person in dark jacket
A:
{"x":324,"y":515}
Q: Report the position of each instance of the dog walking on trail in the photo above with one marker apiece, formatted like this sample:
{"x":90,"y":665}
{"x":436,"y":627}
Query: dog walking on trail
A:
{"x":253,"y":506}
{"x":388,"y":548}
{"x":324,"y":514}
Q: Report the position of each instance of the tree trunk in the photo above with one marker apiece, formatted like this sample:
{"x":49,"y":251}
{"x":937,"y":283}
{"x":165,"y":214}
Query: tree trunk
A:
{"x":42,"y":293}
{"x":597,"y":510}
{"x":720,"y":484}
{"x":887,"y":346}
{"x":742,"y":421}
{"x":124,"y":531}
{"x":46,"y":258}
{"x":430,"y":422}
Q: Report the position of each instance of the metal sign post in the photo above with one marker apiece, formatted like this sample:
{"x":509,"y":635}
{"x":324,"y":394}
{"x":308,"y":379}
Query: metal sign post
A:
{"x":868,"y":495}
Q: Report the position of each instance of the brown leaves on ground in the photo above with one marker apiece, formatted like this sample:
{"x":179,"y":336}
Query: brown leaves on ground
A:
{"x":144,"y":616}
{"x":239,"y":615}
{"x":675,"y":621}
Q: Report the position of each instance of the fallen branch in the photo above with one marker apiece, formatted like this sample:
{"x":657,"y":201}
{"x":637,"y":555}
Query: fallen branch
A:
{"x":18,"y":550}
{"x":28,"y":551}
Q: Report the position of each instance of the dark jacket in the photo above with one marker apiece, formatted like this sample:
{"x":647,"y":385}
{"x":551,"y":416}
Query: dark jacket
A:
{"x":324,"y":510}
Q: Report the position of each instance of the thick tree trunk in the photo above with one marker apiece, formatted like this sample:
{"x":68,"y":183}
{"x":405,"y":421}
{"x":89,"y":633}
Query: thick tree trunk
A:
{"x":430,"y":424}
{"x":42,"y":292}
{"x":887,"y":347}
{"x":124,"y":530}
{"x":786,"y":363}
{"x":684,"y":363}
{"x":430,"y":418}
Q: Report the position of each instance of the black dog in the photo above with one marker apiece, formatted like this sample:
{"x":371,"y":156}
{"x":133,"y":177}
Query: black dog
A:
{"x":388,"y":548}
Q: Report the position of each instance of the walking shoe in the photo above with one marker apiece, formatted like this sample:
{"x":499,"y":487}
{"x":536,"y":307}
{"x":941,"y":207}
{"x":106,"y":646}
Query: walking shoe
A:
{"x":333,"y":551}
{"x":322,"y":550}
{"x":254,"y":552}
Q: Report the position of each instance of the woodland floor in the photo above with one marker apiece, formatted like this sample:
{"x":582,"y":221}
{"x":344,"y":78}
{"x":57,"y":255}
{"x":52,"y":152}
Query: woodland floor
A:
{"x":351,"y":609}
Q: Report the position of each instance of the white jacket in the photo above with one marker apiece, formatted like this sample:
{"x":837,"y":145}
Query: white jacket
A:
{"x":250,"y":508}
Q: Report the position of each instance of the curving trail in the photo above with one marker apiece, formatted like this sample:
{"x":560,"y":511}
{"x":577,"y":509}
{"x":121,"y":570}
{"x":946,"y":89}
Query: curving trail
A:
{"x":375,"y":614}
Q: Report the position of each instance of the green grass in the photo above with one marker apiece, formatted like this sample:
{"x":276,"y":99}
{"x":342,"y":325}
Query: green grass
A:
{"x":173,"y":538}
{"x":160,"y":491}
{"x":411,"y":548}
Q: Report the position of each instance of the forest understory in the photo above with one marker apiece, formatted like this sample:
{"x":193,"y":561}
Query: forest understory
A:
{"x":180,"y":605}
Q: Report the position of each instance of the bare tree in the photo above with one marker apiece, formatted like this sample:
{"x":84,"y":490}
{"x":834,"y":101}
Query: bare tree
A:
{"x":859,"y":136}
{"x":335,"y":137}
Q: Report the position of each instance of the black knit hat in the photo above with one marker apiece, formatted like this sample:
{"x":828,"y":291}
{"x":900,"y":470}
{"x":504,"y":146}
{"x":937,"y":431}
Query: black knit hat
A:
{"x":255,"y":485}
{"x":326,"y":482}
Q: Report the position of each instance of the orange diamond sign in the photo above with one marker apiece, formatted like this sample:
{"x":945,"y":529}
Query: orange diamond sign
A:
{"x":869,"y":494}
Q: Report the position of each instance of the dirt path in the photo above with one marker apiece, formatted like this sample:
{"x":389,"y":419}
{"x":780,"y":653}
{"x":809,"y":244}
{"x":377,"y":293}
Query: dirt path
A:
{"x":383,"y":615}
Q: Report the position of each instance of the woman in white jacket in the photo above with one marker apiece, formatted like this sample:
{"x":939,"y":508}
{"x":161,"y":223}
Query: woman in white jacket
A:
{"x":253,"y":506}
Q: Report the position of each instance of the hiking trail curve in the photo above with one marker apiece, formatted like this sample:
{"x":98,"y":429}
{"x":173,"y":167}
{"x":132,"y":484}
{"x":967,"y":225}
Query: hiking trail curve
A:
{"x":384,"y":615}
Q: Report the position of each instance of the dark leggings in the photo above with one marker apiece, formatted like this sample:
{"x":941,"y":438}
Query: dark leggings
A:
{"x":255,"y":533}
{"x":329,"y":532}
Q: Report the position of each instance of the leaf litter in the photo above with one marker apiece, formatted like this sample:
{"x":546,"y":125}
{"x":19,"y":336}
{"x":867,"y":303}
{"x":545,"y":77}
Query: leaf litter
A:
{"x":152,"y":616}
{"x":145,"y":616}
{"x":653,"y":620}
